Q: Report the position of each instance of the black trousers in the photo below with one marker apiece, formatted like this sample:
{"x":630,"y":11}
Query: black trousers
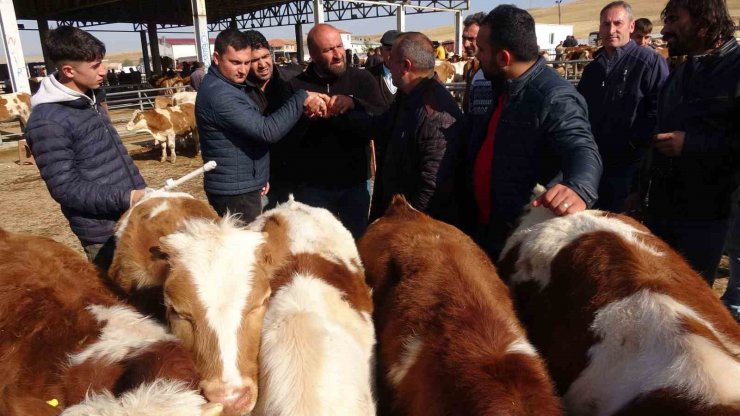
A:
{"x":248,"y":206}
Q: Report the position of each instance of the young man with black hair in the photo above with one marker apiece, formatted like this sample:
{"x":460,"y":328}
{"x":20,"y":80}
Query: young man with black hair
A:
{"x":233,"y":131}
{"x":77,"y":150}
{"x":536,"y":132}
{"x":641,"y":34}
{"x":692,"y":169}
{"x":621,"y":89}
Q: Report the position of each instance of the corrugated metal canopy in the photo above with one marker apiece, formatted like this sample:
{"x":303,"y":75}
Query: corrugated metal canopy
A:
{"x":162,"y":12}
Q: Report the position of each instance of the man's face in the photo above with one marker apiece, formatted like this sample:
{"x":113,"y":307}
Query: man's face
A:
{"x":615,"y":28}
{"x":470,"y":34}
{"x":329,"y":54}
{"x":396,"y":66}
{"x":234,"y":65}
{"x":385,"y":53}
{"x":678,"y":32}
{"x":261,"y":66}
{"x":641,"y":39}
{"x":486,"y":55}
{"x":86,"y":75}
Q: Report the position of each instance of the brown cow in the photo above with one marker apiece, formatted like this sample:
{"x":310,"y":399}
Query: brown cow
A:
{"x":165,"y":125}
{"x":625,"y":325}
{"x":211,"y":273}
{"x":15,"y":106}
{"x":67,"y":343}
{"x":317,"y":341}
{"x":448,"y":340}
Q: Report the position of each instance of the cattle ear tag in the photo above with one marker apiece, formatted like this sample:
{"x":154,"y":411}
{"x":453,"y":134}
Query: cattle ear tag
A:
{"x":53,"y":402}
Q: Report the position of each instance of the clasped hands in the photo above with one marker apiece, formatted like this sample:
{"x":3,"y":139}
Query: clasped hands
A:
{"x":319,"y":105}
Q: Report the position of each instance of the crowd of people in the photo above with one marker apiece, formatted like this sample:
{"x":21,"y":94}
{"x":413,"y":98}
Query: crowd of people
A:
{"x":631,"y":137}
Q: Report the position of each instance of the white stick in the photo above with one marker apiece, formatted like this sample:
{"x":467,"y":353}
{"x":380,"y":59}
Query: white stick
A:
{"x":174,"y":183}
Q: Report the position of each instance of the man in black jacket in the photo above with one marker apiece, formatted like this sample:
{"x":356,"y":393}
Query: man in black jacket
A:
{"x":538,"y":132}
{"x":621,"y":89}
{"x":77,"y":150}
{"x":233,"y":131}
{"x":334,"y":154}
{"x":690,"y":180}
{"x":420,"y":135}
{"x":381,"y":71}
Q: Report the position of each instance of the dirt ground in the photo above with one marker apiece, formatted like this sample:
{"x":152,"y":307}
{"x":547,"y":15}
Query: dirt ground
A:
{"x":27,"y":207}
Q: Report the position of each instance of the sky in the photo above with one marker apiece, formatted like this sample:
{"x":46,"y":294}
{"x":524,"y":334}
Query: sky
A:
{"x":118,"y":42}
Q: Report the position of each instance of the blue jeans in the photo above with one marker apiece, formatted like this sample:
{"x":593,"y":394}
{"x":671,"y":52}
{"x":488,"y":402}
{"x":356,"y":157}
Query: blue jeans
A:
{"x":700,"y":242}
{"x":349,"y":203}
{"x":731,"y":298}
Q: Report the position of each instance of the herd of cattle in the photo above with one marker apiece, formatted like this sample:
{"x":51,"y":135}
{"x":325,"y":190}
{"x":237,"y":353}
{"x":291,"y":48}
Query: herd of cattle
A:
{"x":588,"y":314}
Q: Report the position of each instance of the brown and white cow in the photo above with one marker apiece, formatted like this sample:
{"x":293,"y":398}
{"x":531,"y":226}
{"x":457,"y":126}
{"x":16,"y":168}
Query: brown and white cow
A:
{"x":15,"y":106}
{"x":68,"y":345}
{"x":449,"y":342}
{"x":166,"y":125}
{"x":625,"y":325}
{"x":214,"y":282}
{"x":317,"y":340}
{"x":175,"y":99}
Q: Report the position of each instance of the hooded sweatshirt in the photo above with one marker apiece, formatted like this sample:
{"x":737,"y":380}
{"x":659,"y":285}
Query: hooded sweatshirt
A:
{"x":81,"y":158}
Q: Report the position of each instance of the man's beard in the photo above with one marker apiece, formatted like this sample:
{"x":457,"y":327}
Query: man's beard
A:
{"x":336,"y":70}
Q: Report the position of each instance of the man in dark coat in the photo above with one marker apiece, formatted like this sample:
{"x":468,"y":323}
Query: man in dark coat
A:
{"x":420,"y":135}
{"x":334,"y":162}
{"x":691,"y":175}
{"x":381,"y":73}
{"x":538,"y":132}
{"x":621,"y":89}
{"x":233,"y":131}
{"x":77,"y":150}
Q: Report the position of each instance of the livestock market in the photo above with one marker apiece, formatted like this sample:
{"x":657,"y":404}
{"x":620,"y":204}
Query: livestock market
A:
{"x":369,"y":207}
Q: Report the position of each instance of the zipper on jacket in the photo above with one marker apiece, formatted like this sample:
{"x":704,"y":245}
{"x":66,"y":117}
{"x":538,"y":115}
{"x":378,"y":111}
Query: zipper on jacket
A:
{"x":110,"y":135}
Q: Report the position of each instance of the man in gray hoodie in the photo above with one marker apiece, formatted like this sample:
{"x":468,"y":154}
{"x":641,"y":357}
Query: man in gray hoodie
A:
{"x":78,"y":152}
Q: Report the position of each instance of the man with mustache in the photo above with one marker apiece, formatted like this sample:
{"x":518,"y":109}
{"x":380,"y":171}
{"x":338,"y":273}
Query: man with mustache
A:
{"x":621,"y":89}
{"x":537,"y":132}
{"x":691,"y":175}
{"x":333,"y":162}
{"x":477,"y":96}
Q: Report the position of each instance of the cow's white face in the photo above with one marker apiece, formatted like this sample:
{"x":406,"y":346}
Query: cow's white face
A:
{"x":138,"y":121}
{"x":216,"y":298}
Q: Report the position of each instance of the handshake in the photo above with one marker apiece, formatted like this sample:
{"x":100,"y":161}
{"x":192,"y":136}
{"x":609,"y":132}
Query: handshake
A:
{"x":322,"y":106}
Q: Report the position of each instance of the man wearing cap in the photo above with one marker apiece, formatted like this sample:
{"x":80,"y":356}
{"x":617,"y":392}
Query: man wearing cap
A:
{"x":381,"y":73}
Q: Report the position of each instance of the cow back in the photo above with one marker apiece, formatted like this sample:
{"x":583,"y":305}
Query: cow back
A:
{"x":621,"y":318}
{"x":448,"y":340}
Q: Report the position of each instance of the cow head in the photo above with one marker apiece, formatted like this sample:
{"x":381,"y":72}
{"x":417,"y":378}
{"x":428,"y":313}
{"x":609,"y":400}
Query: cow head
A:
{"x":138,"y":121}
{"x":216,"y":298}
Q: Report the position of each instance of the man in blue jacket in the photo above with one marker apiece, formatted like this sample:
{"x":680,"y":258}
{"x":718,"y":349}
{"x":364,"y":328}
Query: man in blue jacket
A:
{"x":536,"y":132}
{"x":621,"y":89}
{"x":688,"y":186}
{"x":78,"y":152}
{"x":233,"y":131}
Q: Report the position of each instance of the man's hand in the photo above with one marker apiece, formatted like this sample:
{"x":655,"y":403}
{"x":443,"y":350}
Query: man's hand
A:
{"x":561,"y":200}
{"x":136,"y":196}
{"x":265,"y":189}
{"x":670,"y":144}
{"x":340,"y":104}
{"x":315,"y":105}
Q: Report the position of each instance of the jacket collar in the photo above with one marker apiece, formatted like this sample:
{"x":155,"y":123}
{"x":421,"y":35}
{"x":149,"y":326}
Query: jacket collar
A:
{"x":316,"y":78}
{"x":514,"y":86}
{"x":719,"y":53}
{"x":620,"y":51}
{"x":412,"y":98}
{"x":53,"y":91}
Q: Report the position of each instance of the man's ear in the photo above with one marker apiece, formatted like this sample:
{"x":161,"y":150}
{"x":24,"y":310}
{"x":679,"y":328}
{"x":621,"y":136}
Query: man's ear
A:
{"x":67,"y":70}
{"x":503,"y":58}
{"x":215,"y":58}
{"x":407,"y":65}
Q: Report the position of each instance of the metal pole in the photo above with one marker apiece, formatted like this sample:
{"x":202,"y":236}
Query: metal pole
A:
{"x":299,"y":42}
{"x":400,"y":18}
{"x":154,"y":45}
{"x":200,"y":23}
{"x":43,"y":30}
{"x":13,"y":50}
{"x":145,"y":52}
{"x":458,"y":32}
{"x":558,"y":2}
{"x":318,"y":11}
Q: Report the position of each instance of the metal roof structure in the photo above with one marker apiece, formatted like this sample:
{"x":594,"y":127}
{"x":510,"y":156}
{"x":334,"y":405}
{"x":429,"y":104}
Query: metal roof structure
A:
{"x":221,"y":13}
